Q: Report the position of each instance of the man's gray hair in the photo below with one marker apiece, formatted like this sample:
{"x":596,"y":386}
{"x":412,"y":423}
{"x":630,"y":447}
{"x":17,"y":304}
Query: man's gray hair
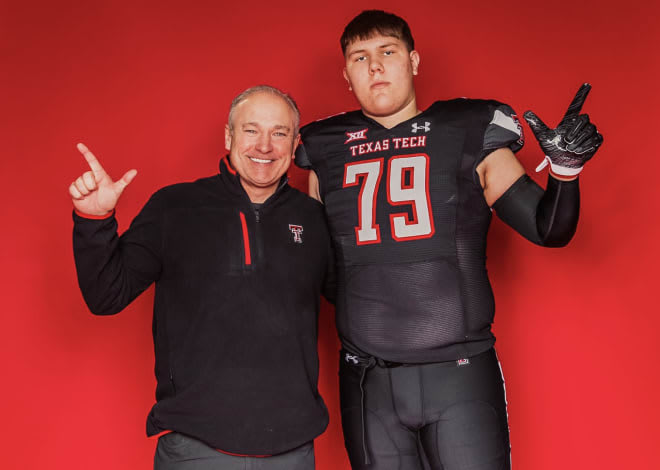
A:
{"x":265,"y":89}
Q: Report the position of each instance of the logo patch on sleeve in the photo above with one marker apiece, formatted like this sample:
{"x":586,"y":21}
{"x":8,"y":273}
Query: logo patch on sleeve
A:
{"x":521,"y":141}
{"x":509,"y":122}
{"x":463,"y":362}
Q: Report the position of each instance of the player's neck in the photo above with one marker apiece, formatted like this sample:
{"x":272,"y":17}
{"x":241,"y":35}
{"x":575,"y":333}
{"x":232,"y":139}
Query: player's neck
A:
{"x":408,"y":111}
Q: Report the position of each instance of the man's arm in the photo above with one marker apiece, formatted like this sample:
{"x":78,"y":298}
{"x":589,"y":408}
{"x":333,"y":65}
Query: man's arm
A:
{"x":112,"y":271}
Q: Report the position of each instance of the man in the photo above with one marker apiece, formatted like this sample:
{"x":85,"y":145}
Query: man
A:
{"x":239,"y":260}
{"x":408,"y":196}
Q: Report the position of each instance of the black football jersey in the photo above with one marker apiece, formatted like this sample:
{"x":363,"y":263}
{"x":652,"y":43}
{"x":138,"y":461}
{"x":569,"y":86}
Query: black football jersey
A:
{"x":409,"y":222}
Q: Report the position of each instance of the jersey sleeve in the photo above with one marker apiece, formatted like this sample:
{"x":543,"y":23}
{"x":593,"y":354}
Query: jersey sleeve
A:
{"x":302,"y":159}
{"x":503,"y":130}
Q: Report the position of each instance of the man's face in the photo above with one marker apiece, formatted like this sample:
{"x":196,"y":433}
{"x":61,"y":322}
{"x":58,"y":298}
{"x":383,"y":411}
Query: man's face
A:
{"x":261,"y":143}
{"x":380,"y":71}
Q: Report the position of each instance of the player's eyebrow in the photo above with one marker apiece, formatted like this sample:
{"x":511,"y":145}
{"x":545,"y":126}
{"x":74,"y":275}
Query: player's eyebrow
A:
{"x":381,"y":46}
{"x":358,"y":51}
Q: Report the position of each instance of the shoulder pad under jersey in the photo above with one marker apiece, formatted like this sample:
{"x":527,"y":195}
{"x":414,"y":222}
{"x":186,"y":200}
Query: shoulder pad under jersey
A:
{"x":317,"y":135}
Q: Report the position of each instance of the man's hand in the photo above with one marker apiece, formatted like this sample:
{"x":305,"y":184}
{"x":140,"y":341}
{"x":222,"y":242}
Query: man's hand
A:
{"x":575,"y":140}
{"x":94,"y":192}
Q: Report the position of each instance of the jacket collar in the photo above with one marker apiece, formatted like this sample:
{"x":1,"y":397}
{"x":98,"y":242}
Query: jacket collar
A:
{"x":232,"y":179}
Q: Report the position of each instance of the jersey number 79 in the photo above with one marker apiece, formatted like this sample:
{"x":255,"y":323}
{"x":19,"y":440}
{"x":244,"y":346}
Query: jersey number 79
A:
{"x":407,"y":183}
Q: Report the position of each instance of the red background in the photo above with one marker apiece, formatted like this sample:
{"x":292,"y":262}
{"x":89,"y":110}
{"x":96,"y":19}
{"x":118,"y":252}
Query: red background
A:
{"x":147,"y":85}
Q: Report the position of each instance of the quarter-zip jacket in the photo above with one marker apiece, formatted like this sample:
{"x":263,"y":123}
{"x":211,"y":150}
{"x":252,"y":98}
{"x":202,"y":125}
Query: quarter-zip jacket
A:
{"x":235,"y":307}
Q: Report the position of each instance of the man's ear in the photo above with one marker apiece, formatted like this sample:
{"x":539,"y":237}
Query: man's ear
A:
{"x":346,"y":77}
{"x":414,"y":61}
{"x":227,"y":138}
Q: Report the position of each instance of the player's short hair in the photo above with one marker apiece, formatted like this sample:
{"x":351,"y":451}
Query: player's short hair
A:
{"x":370,"y":23}
{"x":264,"y":89}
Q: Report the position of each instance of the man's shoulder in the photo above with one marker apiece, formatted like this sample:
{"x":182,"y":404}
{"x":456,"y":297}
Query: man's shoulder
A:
{"x":185,"y":190}
{"x":304,"y":201}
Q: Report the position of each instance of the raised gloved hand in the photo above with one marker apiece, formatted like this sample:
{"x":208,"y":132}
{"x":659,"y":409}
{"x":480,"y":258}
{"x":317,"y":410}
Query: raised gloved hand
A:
{"x":575,"y":140}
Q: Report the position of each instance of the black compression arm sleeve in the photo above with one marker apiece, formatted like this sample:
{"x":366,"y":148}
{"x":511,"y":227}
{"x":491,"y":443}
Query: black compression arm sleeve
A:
{"x":547,"y":218}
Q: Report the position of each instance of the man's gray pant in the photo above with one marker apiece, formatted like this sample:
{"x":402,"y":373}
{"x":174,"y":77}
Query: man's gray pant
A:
{"x":179,"y":452}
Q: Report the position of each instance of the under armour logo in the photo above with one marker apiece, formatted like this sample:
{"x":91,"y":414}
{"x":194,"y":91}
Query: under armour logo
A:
{"x":297,"y":231}
{"x":357,"y":135}
{"x":352,"y":359}
{"x":426,"y":127}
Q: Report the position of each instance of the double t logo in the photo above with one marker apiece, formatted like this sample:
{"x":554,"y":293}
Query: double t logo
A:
{"x":297,"y":231}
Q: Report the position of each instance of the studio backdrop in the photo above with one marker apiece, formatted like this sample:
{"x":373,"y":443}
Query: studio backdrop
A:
{"x":147,"y":85}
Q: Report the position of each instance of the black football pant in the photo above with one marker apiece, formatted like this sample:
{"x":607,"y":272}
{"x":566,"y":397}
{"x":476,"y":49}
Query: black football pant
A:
{"x":443,"y":416}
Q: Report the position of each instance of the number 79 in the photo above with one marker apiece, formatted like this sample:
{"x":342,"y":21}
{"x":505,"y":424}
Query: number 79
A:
{"x":415,"y":192}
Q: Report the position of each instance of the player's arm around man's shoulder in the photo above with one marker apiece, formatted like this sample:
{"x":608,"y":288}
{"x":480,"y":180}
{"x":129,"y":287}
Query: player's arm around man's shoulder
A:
{"x":547,"y":218}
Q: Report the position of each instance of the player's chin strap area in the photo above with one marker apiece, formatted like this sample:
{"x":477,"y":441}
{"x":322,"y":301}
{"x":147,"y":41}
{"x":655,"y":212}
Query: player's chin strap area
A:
{"x":364,"y":363}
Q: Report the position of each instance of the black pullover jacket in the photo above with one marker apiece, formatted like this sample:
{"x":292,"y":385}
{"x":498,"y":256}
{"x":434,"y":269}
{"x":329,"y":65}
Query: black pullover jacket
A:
{"x":235,"y":308}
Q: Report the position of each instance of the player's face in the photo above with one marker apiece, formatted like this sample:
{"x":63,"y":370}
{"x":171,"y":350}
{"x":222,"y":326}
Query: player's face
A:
{"x":261,"y":143}
{"x":380,"y":71}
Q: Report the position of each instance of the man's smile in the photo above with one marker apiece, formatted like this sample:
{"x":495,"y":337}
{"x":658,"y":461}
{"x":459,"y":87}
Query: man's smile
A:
{"x":260,"y":160}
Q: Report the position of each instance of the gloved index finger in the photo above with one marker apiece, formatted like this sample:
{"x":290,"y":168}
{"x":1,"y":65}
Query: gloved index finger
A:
{"x":92,"y":161}
{"x":537,"y":125}
{"x":577,"y":103}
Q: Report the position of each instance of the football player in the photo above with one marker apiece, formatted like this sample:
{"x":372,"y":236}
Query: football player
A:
{"x":408,"y":195}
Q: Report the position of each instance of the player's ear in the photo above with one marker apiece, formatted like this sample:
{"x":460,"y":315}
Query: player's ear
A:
{"x":350,"y":88}
{"x":414,"y":61}
{"x":227,"y":138}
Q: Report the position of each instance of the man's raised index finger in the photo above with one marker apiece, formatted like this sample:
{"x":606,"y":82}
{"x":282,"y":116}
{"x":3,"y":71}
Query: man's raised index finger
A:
{"x":577,"y":103}
{"x":93,"y":163}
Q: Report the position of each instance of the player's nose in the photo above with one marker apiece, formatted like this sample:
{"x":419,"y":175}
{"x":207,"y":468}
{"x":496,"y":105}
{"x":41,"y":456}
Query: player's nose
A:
{"x":375,"y":65}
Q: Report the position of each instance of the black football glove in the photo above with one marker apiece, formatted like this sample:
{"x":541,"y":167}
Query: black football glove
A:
{"x":575,"y":140}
